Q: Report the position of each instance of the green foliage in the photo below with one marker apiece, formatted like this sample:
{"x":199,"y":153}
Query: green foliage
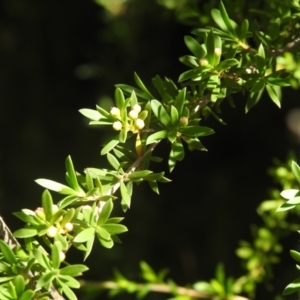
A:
{"x":228,"y":59}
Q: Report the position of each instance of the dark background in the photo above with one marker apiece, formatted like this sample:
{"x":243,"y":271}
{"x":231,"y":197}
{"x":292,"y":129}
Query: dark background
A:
{"x":59,"y":56}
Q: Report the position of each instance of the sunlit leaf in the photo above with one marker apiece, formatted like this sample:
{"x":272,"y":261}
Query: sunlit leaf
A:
{"x":160,"y":112}
{"x":194,"y":46}
{"x":157,"y":136}
{"x":296,"y":171}
{"x":91,"y":114}
{"x":84,"y":235}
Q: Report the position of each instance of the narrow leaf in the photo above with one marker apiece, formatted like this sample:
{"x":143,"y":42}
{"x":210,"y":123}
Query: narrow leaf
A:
{"x":141,"y":85}
{"x":160,"y":112}
{"x":194,"y":46}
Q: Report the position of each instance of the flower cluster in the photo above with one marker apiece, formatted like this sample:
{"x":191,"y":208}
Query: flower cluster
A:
{"x":135,"y":119}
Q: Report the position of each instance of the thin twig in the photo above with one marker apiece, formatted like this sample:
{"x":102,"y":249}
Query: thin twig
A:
{"x":154,"y":287}
{"x":134,"y":166}
{"x":288,"y":47}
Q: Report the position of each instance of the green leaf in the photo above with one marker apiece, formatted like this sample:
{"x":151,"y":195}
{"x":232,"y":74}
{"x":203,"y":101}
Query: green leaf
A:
{"x":157,"y":136}
{"x":55,"y":254}
{"x":67,"y":201}
{"x":141,"y":85}
{"x":73,"y":270}
{"x":210,"y":44}
{"x":25,"y":233}
{"x":27,"y":295}
{"x":105,"y":113}
{"x":253,"y":99}
{"x":179,"y":101}
{"x":47,"y":204}
{"x":292,"y":287}
{"x":147,"y":272}
{"x":160,"y":112}
{"x":128,"y":90}
{"x":226,"y":19}
{"x":89,"y":247}
{"x":193,"y":143}
{"x":261,"y":51}
{"x":260,"y":64}
{"x":194,"y":73}
{"x":72,"y":175}
{"x":91,"y":114}
{"x":296,"y":171}
{"x":123,"y":135}
{"x":284,"y":207}
{"x":213,"y":82}
{"x":110,"y":145}
{"x":113,"y":161}
{"x":294,"y":201}
{"x":194,"y":46}
{"x":89,"y":180}
{"x":46,"y":279}
{"x":102,"y":234}
{"x":55,"y":186}
{"x":194,"y":131}
{"x":204,"y":287}
{"x":178,"y":151}
{"x":7,"y":253}
{"x":216,"y":15}
{"x":174,"y":115}
{"x":154,"y":176}
{"x":139,"y":174}
{"x":277,"y":81}
{"x":227,"y":63}
{"x":126,"y":199}
{"x":114,"y":228}
{"x":258,"y":86}
{"x":189,"y":61}
{"x":31,"y":219}
{"x":273,"y":94}
{"x":295,"y":255}
{"x":153,"y":185}
{"x":289,"y":194}
{"x":133,"y":99}
{"x":244,"y":29}
{"x":68,"y":292}
{"x":120,"y":100}
{"x":172,"y":135}
{"x":106,"y":243}
{"x":105,"y":212}
{"x":84,"y":235}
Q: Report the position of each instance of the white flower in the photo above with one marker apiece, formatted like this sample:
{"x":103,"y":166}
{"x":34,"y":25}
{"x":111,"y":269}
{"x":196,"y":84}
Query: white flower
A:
{"x":133,"y":114}
{"x":137,"y":108}
{"x":51,"y":232}
{"x":68,"y":227}
{"x":218,"y":51}
{"x":139,"y":124}
{"x":115,"y":112}
{"x":117,"y":125}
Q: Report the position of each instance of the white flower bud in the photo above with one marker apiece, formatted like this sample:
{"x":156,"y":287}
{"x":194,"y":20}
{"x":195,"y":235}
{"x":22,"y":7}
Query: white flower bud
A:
{"x":137,"y":108}
{"x":51,"y":232}
{"x":54,"y":209}
{"x":62,"y":256}
{"x":115,"y":112}
{"x":40,"y":213}
{"x":218,"y":51}
{"x":68,"y":227}
{"x":117,"y":125}
{"x":133,"y":114}
{"x":183,"y":121}
{"x":203,"y":62}
{"x":139,"y":124}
